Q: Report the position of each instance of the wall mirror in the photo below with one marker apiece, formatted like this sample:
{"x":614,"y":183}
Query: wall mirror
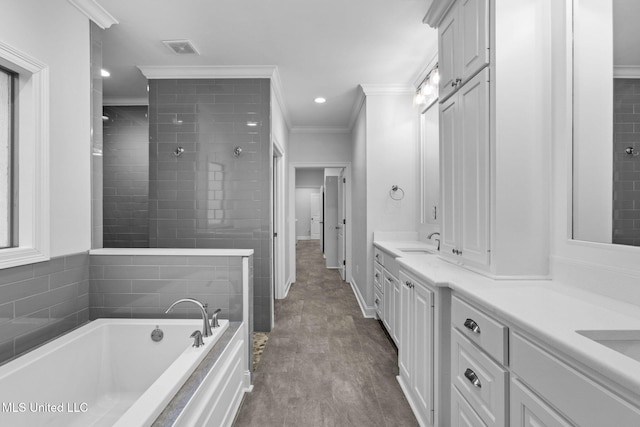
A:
{"x":606,"y":115}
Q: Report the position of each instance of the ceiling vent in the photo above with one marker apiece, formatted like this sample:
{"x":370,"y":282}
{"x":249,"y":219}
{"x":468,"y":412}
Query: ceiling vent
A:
{"x":181,"y":47}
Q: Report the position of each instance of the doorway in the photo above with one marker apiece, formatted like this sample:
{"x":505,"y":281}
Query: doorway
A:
{"x":341,"y":186}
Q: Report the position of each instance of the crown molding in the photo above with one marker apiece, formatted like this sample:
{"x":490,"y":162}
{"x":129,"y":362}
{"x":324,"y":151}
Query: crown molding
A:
{"x":387,"y":89}
{"x":436,"y":11}
{"x":98,"y":14}
{"x":357,"y":106}
{"x":208,"y":71}
{"x":626,"y":71}
{"x":276,"y":87}
{"x":320,"y":129}
{"x":118,"y":102}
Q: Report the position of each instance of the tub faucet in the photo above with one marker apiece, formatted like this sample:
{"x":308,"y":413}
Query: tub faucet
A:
{"x":437,"y":240}
{"x":206,"y":328}
{"x":214,"y":318}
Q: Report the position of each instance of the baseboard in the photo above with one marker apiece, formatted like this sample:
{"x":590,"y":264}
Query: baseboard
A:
{"x":367,"y":311}
{"x":287,"y":287}
{"x":246,"y":382}
{"x":303,"y":237}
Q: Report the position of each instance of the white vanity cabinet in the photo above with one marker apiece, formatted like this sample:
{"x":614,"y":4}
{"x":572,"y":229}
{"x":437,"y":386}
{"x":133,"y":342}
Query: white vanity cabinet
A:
{"x":502,"y":376}
{"x":463,"y":44}
{"x":387,"y":291}
{"x":423,"y":351}
{"x":464,"y":148}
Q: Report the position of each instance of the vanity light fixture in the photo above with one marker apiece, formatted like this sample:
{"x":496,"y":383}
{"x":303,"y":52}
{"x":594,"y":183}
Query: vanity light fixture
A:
{"x":427,"y":91}
{"x":252,"y":124}
{"x":320,"y":100}
{"x":104,"y":73}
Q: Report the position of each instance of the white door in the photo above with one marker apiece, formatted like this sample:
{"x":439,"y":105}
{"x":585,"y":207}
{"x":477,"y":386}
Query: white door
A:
{"x":342,"y":221}
{"x":316,"y":215}
{"x":331,"y":221}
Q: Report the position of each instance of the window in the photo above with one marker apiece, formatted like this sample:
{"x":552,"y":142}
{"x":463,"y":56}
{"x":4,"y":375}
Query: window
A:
{"x":24,"y":158}
{"x":7,"y":120}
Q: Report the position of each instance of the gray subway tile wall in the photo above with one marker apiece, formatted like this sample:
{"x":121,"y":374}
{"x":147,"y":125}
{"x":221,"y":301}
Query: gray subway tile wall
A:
{"x":126,"y":177}
{"x":626,"y":169}
{"x":145,"y":286}
{"x":40,"y":301}
{"x":208,"y":197}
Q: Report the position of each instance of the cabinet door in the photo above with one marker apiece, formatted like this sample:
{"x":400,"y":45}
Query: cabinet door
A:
{"x":397,"y":311}
{"x":423,"y":351}
{"x":387,"y":301}
{"x":447,"y":57}
{"x":473,"y":125}
{"x":473,"y":37}
{"x":527,"y":410}
{"x":405,"y":329}
{"x":448,"y":175}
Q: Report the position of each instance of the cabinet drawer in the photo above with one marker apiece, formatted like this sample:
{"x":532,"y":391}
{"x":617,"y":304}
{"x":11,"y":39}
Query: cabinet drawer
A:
{"x":377,"y":276}
{"x":481,"y":381}
{"x":378,"y":302}
{"x":577,"y":396}
{"x":481,"y":329}
{"x":378,"y":256}
{"x":462,"y":415}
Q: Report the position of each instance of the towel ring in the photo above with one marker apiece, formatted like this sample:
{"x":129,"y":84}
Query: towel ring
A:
{"x":393,"y":193}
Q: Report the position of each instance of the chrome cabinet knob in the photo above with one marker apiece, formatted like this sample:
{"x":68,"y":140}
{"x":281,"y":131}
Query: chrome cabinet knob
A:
{"x":473,"y":378}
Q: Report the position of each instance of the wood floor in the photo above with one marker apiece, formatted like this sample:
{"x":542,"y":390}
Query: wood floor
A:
{"x":324,"y":364}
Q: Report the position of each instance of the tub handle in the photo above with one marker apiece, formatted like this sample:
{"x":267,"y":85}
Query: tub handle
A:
{"x":214,"y":318}
{"x":197,"y":338}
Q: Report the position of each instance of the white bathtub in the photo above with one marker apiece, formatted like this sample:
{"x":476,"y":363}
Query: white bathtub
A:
{"x":108,"y":372}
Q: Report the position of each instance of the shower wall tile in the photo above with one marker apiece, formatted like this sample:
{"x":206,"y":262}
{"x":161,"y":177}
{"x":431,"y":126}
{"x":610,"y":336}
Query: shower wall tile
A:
{"x":40,"y":301}
{"x":145,"y":286}
{"x":126,"y":177}
{"x":626,"y":169}
{"x":208,"y":197}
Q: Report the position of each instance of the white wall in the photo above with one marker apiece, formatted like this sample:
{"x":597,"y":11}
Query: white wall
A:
{"x":57,"y":34}
{"x":309,"y":177}
{"x":319,"y":147}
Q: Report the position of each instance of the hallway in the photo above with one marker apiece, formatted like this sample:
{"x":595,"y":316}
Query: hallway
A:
{"x":324,"y":364}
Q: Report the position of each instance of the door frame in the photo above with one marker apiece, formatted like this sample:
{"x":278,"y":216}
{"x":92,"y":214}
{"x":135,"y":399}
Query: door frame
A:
{"x":291,"y":245}
{"x":278,"y":224}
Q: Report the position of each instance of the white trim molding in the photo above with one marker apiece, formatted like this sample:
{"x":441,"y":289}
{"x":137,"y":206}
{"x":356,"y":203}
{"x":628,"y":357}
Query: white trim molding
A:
{"x":33,"y":149}
{"x":125,"y":101}
{"x":95,"y":12}
{"x":367,"y":311}
{"x":436,"y":10}
{"x":208,"y":71}
{"x":626,"y":72}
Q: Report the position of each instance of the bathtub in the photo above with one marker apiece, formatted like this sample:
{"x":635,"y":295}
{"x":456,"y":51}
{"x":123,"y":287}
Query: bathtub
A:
{"x":111,"y":373}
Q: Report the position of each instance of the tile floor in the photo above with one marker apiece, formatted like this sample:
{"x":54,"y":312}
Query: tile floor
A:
{"x":324,"y":364}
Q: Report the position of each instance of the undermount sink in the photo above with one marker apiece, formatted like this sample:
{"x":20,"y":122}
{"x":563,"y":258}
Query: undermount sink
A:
{"x":624,"y":342}
{"x":416,"y":250}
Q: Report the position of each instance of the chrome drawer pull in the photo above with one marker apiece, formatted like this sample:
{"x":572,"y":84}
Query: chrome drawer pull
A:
{"x":473,"y":378}
{"x":472,"y":326}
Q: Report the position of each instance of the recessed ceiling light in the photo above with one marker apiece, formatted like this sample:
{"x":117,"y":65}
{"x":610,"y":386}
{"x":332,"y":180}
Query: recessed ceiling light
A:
{"x":104,"y":73}
{"x":320,"y":100}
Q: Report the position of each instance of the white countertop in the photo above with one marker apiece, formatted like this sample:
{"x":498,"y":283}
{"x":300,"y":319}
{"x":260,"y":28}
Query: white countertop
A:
{"x":547,"y":309}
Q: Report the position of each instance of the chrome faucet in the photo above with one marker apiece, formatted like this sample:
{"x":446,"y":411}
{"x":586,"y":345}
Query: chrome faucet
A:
{"x":214,"y":318}
{"x":437,"y":240}
{"x":206,"y":328}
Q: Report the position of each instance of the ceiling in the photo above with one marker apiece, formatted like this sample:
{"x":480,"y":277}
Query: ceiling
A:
{"x":321,"y":48}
